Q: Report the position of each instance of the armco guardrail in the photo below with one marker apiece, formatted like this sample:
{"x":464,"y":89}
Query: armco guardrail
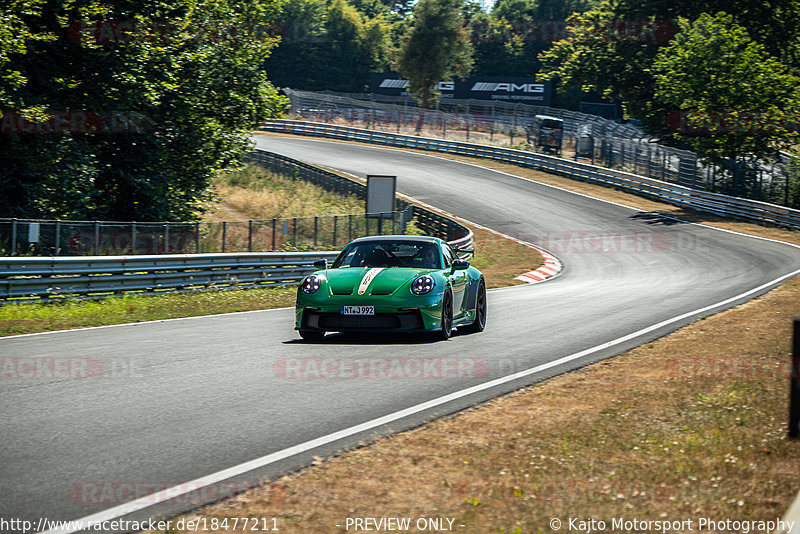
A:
{"x":46,"y":278}
{"x":724,"y":205}
{"x":30,"y":278}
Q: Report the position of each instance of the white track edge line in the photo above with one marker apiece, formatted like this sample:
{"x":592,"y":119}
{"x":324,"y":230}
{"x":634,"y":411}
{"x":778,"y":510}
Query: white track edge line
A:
{"x":176,"y":491}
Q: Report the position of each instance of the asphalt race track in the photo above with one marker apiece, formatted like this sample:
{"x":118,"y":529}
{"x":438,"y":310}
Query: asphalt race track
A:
{"x":177,"y":400}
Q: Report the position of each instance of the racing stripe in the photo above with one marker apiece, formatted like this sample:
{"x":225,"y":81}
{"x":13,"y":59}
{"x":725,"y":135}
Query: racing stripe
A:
{"x":369,"y":276}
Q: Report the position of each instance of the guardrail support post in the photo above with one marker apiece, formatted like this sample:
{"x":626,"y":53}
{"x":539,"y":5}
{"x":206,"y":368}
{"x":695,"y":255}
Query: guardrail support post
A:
{"x":794,"y":397}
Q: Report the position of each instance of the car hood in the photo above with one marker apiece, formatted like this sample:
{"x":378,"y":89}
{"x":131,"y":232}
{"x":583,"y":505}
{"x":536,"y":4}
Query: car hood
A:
{"x":374,"y":281}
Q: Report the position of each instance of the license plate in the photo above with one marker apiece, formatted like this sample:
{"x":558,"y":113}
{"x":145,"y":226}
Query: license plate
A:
{"x":357,"y":310}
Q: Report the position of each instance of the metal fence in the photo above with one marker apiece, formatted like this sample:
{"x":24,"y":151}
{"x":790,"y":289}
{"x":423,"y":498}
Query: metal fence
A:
{"x":33,"y":237}
{"x":613,"y":145}
{"x":664,"y":191}
{"x":481,"y":115}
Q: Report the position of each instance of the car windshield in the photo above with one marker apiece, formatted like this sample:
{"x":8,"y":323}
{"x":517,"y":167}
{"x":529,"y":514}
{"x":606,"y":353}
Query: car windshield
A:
{"x":419,"y":255}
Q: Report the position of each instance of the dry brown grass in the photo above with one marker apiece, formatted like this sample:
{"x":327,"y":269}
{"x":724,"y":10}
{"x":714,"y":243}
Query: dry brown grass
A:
{"x":253,"y":193}
{"x":501,"y":260}
{"x":690,"y":426}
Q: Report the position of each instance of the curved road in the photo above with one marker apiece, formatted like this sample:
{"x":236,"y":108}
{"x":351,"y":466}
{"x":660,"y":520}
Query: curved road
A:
{"x":182,"y":399}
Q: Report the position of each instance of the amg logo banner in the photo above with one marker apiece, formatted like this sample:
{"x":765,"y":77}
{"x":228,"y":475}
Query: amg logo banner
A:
{"x":399,"y":86}
{"x":394,"y":84}
{"x":493,"y":87}
{"x":507,"y":88}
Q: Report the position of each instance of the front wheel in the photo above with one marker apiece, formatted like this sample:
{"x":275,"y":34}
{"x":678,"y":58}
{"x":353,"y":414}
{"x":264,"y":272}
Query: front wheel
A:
{"x":312,"y":335}
{"x":447,"y":316}
{"x":480,"y":309}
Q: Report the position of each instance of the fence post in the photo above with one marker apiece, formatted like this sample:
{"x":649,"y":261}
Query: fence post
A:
{"x":166,"y":238}
{"x":224,"y":234}
{"x":133,"y":237}
{"x":58,"y":238}
{"x":273,"y":234}
{"x":316,"y":226}
{"x":335,"y":220}
{"x":794,"y":398}
{"x":294,"y":232}
{"x":349,"y":227}
{"x":14,"y":237}
{"x":250,"y":235}
{"x":197,"y":237}
{"x":96,"y":245}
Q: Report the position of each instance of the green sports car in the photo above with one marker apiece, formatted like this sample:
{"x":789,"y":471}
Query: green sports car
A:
{"x":392,"y":283}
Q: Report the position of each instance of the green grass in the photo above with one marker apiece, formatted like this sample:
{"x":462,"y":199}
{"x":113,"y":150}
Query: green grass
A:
{"x":33,"y":317}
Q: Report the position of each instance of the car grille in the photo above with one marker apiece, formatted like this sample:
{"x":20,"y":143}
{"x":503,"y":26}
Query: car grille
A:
{"x":337,"y":322}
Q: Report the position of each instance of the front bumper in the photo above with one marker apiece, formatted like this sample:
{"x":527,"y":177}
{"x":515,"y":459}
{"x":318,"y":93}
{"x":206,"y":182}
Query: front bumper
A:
{"x":392,"y":314}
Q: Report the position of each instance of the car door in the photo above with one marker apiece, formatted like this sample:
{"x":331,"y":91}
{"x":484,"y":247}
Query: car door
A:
{"x":458,"y":281}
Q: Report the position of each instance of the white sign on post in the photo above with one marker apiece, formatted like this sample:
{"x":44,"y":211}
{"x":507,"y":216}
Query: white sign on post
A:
{"x":381,"y":196}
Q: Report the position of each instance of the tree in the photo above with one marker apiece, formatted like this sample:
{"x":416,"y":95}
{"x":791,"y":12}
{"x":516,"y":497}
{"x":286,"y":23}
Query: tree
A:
{"x":593,"y":56}
{"x":732,"y":100}
{"x":168,"y":105}
{"x":436,"y":48}
{"x":328,"y":46}
{"x":510,"y":40}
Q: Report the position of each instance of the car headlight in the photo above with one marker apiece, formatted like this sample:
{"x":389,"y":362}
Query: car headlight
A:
{"x":310,"y":284}
{"x":422,"y":285}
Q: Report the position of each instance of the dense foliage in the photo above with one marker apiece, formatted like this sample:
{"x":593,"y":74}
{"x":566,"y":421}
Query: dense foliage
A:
{"x":723,"y":80}
{"x":436,"y":48}
{"x":124,"y":110}
{"x":129,"y":118}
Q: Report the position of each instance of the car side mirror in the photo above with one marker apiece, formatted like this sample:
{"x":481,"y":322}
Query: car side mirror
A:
{"x":321,"y":264}
{"x":460,"y":264}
